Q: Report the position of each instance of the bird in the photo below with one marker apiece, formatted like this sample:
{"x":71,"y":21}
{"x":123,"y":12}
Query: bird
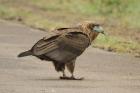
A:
{"x":65,"y":45}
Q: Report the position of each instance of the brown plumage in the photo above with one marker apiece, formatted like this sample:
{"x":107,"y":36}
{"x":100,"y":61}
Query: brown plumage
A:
{"x":63,"y":47}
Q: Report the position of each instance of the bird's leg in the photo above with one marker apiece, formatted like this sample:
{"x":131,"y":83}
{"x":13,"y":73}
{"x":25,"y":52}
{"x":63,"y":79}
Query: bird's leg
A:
{"x":70,"y":66}
{"x":73,"y":77}
{"x":64,"y":75}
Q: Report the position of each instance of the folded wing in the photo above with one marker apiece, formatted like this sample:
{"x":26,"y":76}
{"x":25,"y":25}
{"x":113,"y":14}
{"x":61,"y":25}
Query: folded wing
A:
{"x":62,"y":48}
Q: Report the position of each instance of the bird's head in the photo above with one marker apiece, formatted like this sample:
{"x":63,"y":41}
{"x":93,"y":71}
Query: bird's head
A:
{"x":97,"y":28}
{"x":92,"y":29}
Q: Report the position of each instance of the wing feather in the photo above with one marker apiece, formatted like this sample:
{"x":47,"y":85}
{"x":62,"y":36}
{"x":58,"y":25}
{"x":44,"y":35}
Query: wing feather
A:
{"x":44,"y":46}
{"x":63,"y":48}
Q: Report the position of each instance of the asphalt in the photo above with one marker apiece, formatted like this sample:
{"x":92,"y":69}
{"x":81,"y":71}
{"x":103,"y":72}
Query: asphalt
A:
{"x":104,"y":72}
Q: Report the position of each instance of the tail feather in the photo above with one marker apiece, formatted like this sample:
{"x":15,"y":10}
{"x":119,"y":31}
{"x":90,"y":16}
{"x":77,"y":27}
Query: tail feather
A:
{"x":26,"y":53}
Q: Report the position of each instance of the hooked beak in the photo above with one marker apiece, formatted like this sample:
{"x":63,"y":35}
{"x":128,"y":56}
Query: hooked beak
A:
{"x":99,"y":29}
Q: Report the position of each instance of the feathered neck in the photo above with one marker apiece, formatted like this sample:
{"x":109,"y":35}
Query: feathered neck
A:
{"x":86,"y":29}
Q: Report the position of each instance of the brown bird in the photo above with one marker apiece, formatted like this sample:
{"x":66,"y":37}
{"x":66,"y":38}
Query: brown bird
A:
{"x":65,"y":46}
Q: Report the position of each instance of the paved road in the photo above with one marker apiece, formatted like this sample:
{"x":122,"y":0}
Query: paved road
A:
{"x":104,"y":72}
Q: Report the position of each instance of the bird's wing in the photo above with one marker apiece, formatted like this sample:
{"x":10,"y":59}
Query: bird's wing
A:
{"x":70,"y":46}
{"x":73,"y":41}
{"x":45,"y":45}
{"x":62,"y":48}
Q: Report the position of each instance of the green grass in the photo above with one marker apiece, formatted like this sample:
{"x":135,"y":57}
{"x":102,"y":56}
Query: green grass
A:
{"x":27,"y":17}
{"x":120,"y":18}
{"x":116,"y":44}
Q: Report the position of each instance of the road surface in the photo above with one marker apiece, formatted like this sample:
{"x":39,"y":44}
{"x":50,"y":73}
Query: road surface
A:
{"x":104,"y":72}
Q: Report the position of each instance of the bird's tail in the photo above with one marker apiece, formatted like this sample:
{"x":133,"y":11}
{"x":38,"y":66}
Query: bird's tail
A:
{"x":26,"y":53}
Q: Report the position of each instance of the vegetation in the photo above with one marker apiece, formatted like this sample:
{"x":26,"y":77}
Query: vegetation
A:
{"x":120,"y":18}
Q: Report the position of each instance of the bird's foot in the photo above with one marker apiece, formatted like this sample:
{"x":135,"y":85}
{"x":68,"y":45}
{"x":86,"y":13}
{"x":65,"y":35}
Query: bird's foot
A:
{"x":71,"y":78}
{"x":64,"y":77}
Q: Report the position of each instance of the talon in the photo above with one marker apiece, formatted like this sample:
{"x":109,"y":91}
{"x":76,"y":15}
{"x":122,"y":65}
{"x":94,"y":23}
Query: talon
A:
{"x":64,"y":77}
{"x":71,"y":78}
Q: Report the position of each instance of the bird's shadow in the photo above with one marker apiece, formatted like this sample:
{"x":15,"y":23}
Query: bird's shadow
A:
{"x":58,"y":79}
{"x":54,"y":79}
